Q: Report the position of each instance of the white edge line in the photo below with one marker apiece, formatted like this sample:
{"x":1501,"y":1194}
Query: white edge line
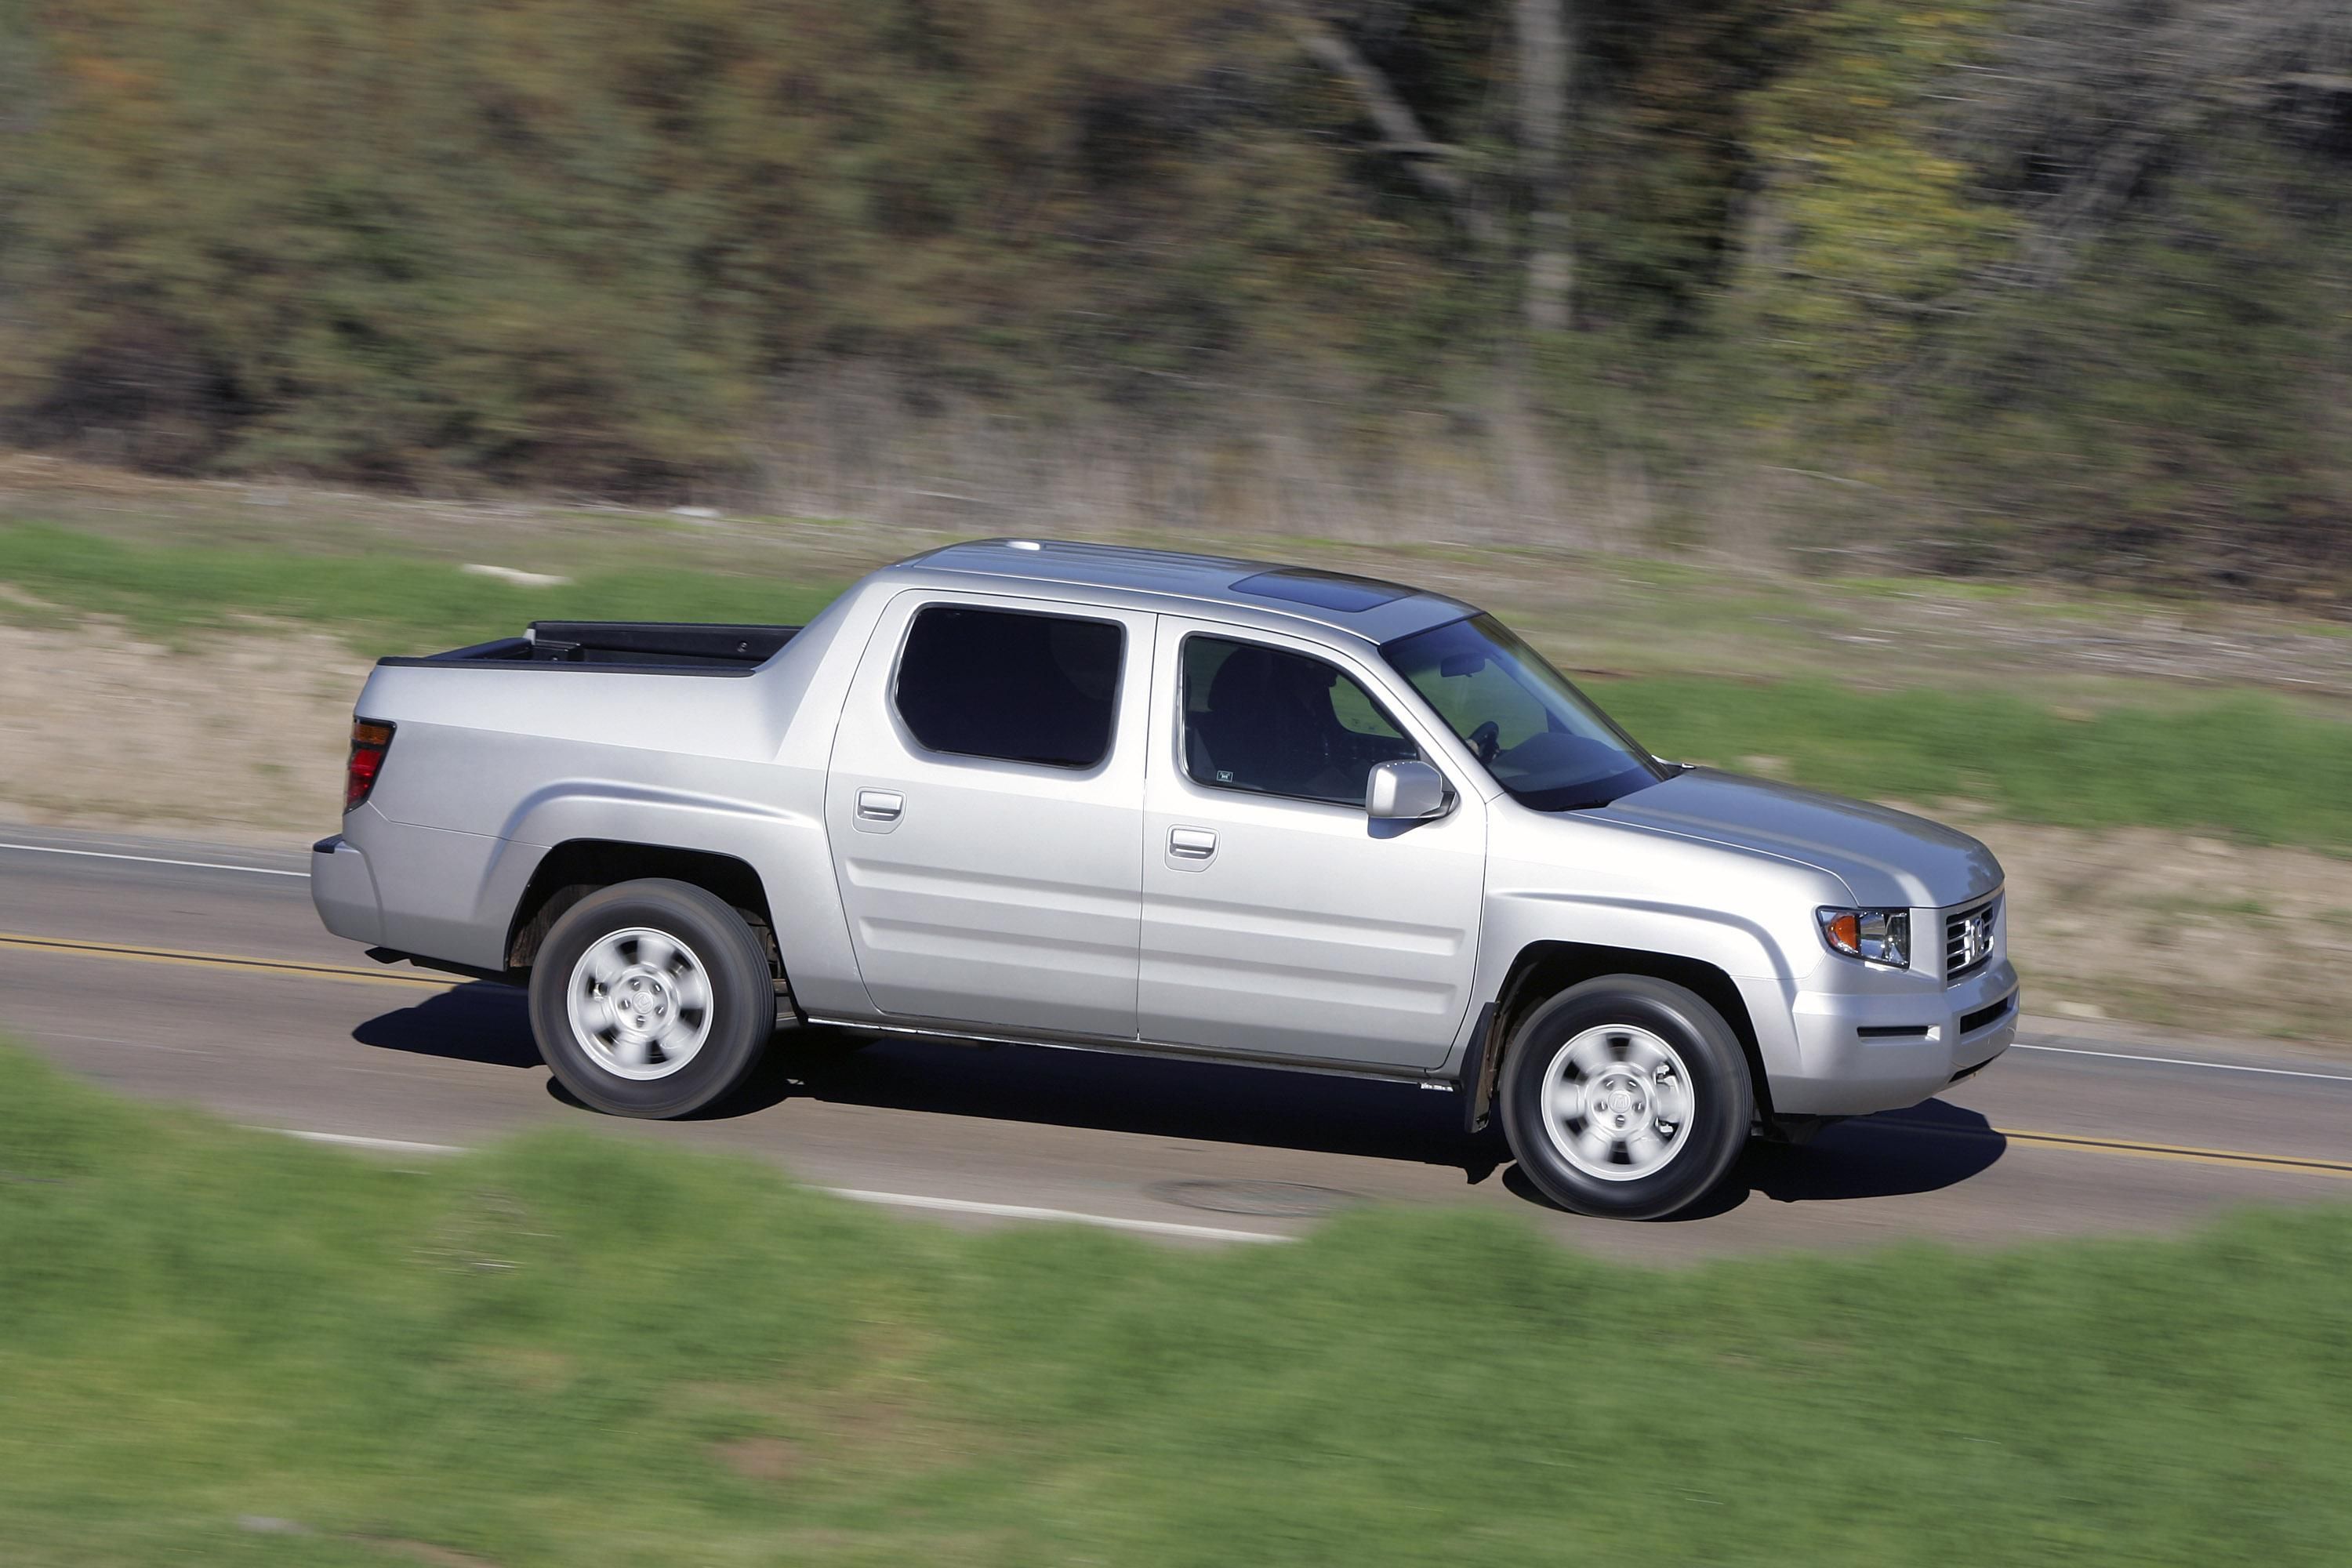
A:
{"x":893,"y":1200}
{"x":153,"y":860}
{"x":2186,"y":1062}
{"x":1072,"y":1216}
{"x":354,"y":1141}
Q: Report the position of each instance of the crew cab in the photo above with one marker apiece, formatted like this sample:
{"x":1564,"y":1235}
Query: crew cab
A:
{"x":1125,"y":800}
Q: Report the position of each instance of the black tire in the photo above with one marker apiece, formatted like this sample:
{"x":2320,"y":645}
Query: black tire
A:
{"x":739,"y":1013}
{"x":1721,"y":1095}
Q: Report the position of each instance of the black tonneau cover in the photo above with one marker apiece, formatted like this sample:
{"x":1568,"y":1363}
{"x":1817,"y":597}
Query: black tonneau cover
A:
{"x":667,"y":647}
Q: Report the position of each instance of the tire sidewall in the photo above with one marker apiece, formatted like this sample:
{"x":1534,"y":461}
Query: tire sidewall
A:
{"x":743,"y":1004}
{"x":1720,"y":1081}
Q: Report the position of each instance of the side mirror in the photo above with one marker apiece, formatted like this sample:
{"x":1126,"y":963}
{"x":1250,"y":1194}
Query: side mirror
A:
{"x":1406,"y":791}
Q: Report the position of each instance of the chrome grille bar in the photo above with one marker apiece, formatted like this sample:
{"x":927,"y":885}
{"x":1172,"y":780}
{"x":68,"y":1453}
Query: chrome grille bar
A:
{"x":1969,"y":938}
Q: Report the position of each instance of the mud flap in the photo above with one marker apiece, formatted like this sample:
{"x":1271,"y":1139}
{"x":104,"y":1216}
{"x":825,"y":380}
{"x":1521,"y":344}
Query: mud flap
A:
{"x":1480,"y":1065}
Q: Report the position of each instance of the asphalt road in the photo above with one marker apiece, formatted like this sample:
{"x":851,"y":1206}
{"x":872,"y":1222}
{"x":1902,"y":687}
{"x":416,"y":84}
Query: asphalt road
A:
{"x":192,"y":973}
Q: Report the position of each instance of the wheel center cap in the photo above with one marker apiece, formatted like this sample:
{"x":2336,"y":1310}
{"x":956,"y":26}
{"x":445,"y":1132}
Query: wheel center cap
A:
{"x":642,"y":999}
{"x":1619,"y":1101}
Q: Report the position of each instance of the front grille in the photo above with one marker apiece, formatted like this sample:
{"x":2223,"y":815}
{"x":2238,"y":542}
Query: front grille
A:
{"x":1968,"y":939}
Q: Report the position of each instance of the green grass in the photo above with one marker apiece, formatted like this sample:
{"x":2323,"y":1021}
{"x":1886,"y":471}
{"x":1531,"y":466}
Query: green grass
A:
{"x":585,"y":1349}
{"x":2246,"y":765}
{"x":379,"y":603}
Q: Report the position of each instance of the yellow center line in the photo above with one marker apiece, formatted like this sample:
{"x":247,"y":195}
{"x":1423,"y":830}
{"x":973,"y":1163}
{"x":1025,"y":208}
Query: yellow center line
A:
{"x":226,"y":960}
{"x":2137,"y":1149}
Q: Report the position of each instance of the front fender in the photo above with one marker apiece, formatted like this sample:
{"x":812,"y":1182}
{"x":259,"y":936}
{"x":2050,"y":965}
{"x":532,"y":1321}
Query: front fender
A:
{"x":1742,"y":947}
{"x":1589,"y":882}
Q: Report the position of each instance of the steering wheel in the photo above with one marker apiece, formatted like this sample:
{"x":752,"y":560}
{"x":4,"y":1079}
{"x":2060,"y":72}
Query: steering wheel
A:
{"x":1486,"y":739}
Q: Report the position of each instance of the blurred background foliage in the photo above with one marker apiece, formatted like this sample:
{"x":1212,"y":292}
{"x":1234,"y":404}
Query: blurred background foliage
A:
{"x":1982,"y":286}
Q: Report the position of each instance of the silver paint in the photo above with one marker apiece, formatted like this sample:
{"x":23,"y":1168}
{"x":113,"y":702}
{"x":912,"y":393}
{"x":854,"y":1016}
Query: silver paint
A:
{"x":1126,"y":906}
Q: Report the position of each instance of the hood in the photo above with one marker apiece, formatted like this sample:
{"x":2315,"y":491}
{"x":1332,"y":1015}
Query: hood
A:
{"x":1886,"y":858}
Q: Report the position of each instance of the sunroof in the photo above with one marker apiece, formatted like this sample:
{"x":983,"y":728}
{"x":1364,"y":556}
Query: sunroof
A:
{"x":1324,"y":590}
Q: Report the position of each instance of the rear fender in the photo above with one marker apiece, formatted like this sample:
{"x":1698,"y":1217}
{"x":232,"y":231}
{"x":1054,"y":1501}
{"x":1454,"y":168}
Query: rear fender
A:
{"x":785,"y":847}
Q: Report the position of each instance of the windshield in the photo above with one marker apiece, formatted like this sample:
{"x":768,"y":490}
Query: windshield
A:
{"x":1542,"y":738}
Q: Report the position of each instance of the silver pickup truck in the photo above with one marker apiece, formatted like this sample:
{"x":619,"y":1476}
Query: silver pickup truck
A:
{"x":1122,"y":800}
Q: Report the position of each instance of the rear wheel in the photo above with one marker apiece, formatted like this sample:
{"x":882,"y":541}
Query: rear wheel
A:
{"x":651,"y":998}
{"x":1626,"y":1097}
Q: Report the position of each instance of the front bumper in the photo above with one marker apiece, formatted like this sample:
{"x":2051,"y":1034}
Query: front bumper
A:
{"x":343,"y":889}
{"x":1855,"y":1053}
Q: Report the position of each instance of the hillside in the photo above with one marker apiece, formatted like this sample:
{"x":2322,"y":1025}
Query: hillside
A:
{"x":1996,"y":286}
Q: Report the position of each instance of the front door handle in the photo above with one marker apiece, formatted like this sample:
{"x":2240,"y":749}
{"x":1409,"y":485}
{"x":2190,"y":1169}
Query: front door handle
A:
{"x":1192,"y":843}
{"x":880,"y":805}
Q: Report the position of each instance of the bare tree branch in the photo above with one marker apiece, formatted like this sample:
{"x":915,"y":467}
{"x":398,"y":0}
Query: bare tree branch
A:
{"x":2102,"y":92}
{"x":1400,"y":128}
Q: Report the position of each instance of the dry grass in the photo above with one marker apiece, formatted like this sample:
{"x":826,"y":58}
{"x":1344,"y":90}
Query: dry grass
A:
{"x":853,"y":444}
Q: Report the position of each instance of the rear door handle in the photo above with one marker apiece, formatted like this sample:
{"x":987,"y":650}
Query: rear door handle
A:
{"x":880,"y":805}
{"x":1192,"y":843}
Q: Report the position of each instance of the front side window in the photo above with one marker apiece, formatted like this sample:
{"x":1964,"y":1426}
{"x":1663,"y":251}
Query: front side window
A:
{"x":1006,"y":684}
{"x":1275,"y":722}
{"x":1543,"y":739}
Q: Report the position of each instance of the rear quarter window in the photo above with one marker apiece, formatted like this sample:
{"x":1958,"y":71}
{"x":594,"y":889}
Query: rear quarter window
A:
{"x":1010,"y":685}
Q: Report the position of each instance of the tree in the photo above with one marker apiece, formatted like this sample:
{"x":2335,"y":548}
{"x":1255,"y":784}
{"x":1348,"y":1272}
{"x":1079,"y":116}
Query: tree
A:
{"x":1544,"y":84}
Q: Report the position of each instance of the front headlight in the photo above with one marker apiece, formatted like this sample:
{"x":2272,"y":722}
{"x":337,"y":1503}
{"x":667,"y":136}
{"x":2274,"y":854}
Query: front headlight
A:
{"x":1880,"y":936}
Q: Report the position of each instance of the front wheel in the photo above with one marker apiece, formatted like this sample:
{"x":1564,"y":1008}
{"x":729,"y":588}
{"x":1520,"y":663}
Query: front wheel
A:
{"x":1626,"y":1097}
{"x":651,"y":998}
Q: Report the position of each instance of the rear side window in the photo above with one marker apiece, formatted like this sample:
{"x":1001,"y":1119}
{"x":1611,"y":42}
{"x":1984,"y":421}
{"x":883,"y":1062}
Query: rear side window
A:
{"x":1016,"y":687}
{"x":1276,"y":722}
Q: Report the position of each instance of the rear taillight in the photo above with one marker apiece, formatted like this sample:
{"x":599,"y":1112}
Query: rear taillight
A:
{"x":370,"y":741}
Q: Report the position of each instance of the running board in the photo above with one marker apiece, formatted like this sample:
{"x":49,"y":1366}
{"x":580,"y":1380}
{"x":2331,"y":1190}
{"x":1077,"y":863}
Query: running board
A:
{"x":1371,"y":1072}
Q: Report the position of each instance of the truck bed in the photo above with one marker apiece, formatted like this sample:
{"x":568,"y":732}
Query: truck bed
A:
{"x":667,"y":647}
